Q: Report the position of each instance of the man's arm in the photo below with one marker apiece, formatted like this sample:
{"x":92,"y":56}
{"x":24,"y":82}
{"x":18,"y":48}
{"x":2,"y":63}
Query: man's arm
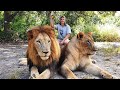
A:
{"x":51,"y":21}
{"x":66,"y":37}
{"x":68,"y":34}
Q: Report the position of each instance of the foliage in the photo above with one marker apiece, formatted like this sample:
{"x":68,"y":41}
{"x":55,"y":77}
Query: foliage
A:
{"x":105,"y":25}
{"x":6,"y":36}
{"x":1,"y":20}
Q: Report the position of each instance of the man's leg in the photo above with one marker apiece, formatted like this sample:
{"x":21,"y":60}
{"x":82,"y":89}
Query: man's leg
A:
{"x":66,"y":41}
{"x":59,"y":41}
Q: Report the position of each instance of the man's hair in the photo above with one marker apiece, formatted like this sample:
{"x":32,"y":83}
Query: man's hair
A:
{"x":62,"y":17}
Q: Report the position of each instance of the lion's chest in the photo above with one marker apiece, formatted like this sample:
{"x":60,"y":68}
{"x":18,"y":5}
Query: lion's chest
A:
{"x":51,"y":66}
{"x":83,"y":61}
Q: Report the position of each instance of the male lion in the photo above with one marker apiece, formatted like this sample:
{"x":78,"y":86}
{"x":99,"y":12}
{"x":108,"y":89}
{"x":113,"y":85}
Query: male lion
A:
{"x":76,"y":56}
{"x":43,"y":52}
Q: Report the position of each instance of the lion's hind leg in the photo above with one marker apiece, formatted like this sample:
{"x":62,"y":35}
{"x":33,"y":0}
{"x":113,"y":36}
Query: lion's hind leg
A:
{"x":95,"y":70}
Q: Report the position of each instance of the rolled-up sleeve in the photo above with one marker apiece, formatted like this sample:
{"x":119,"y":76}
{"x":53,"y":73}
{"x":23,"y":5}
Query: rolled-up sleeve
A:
{"x":68,"y":29}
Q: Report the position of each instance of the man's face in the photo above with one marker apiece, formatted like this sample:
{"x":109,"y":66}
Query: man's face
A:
{"x":62,"y":20}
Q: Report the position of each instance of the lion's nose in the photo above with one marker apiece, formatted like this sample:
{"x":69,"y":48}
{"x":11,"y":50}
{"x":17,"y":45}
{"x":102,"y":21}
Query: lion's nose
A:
{"x":45,"y":52}
{"x":95,"y":48}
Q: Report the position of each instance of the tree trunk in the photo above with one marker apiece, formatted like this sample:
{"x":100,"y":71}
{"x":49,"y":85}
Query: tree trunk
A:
{"x":6,"y":21}
{"x":8,"y":17}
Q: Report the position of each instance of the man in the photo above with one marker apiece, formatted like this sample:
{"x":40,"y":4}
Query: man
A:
{"x":63,"y":29}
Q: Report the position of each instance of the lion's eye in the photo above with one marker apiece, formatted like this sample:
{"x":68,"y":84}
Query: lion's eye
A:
{"x":38,"y":41}
{"x":88,"y":42}
{"x":48,"y":41}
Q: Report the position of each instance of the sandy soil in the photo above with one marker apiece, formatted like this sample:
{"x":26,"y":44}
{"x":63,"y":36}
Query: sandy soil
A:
{"x":11,"y":53}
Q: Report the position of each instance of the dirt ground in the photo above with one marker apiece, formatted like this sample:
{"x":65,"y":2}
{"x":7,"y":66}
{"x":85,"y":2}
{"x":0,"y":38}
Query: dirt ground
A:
{"x":107,"y":57}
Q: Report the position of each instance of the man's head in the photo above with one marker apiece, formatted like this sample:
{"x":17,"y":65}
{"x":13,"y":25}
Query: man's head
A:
{"x":62,"y":20}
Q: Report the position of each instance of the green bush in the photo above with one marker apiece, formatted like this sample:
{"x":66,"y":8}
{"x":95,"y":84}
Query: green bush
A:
{"x":109,"y":33}
{"x":100,"y":32}
{"x":6,"y":36}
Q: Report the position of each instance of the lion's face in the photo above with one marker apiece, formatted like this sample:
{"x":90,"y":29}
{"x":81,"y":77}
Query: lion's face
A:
{"x":86,"y":43}
{"x":43,"y":45}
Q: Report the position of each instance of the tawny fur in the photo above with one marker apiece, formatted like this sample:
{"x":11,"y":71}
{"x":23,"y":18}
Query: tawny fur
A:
{"x":77,"y":57}
{"x":32,"y":54}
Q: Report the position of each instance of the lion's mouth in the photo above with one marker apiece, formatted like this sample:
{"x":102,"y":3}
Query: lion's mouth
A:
{"x":44,"y":57}
{"x":92,"y":53}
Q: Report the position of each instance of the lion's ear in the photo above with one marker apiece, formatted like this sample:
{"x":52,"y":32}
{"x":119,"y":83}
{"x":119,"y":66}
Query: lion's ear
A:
{"x":35,"y":32}
{"x":29,"y":34}
{"x":90,"y":33}
{"x":32,"y":33}
{"x":80,"y":35}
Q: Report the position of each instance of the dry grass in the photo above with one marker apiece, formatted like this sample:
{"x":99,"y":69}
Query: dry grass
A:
{"x":111,"y":51}
{"x":15,"y":75}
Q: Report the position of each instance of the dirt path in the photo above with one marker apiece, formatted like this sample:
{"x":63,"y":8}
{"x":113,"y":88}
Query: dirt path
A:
{"x":108,"y":57}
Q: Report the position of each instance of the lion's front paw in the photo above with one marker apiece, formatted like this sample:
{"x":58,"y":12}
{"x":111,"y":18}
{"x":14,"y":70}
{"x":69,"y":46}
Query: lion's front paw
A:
{"x":34,"y":73}
{"x":106,"y":75}
{"x":32,"y":76}
{"x":114,"y":77}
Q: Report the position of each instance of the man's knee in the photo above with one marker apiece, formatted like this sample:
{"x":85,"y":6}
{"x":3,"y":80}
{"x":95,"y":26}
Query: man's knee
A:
{"x":66,"y":41}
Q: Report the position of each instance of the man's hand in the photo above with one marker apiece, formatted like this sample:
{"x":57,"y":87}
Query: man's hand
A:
{"x":62,"y":42}
{"x":52,"y":17}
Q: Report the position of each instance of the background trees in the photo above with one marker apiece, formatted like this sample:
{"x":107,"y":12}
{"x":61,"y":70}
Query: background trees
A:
{"x":105,"y":25}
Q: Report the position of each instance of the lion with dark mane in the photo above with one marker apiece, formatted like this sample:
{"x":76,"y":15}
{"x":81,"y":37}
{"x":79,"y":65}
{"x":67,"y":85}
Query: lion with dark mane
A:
{"x":77,"y":56}
{"x":43,"y":52}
